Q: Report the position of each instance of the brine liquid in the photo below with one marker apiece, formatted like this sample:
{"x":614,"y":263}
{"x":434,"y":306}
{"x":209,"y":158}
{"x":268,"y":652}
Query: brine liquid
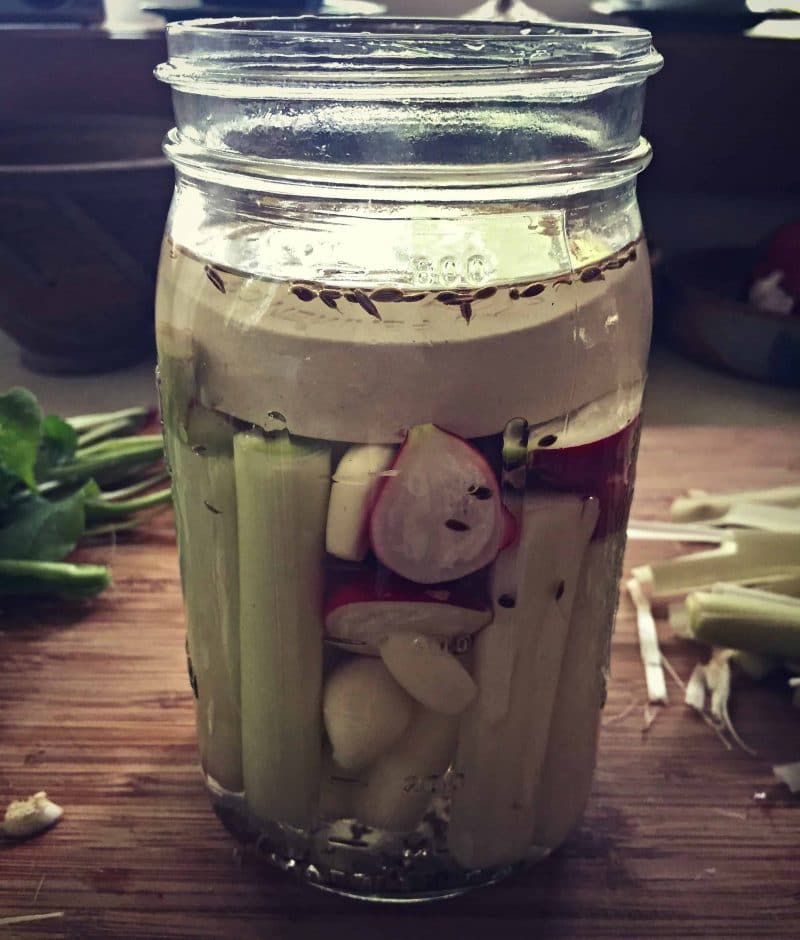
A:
{"x":398,"y":614}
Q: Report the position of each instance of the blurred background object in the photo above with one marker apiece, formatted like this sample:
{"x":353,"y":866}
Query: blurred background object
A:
{"x":51,"y":11}
{"x":83,"y":200}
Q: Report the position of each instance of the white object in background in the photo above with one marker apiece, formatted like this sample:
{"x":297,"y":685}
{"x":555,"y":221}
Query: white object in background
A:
{"x":511,"y":10}
{"x":126,"y":16}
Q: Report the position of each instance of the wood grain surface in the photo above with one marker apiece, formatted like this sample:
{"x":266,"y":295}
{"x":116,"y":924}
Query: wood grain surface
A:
{"x":95,"y":708}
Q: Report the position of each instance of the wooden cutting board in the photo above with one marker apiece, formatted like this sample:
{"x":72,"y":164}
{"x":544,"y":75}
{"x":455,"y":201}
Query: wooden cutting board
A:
{"x":95,"y":708}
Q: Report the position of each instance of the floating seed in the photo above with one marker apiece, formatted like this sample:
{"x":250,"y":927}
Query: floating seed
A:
{"x":413,"y":298}
{"x":632,"y":256}
{"x":387,"y":295}
{"x":615,"y":264}
{"x":533,"y":291}
{"x":366,"y":304}
{"x":514,"y":293}
{"x":457,"y":525}
{"x":329,"y":298}
{"x":485,"y":293}
{"x":276,"y":416}
{"x":448,"y":297}
{"x":547,"y":441}
{"x":507,"y":600}
{"x":560,"y":590}
{"x":215,"y":278}
{"x":303,"y":293}
{"x":565,"y":281}
{"x":199,"y":449}
{"x":481,"y":492}
{"x":211,"y":508}
{"x":591,"y":274}
{"x":192,"y":676}
{"x":466,"y":310}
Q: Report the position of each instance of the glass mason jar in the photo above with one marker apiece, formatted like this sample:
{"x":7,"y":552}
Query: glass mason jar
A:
{"x":403,"y":318}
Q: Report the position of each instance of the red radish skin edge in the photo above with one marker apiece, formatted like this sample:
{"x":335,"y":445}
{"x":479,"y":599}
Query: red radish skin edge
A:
{"x":370,"y":585}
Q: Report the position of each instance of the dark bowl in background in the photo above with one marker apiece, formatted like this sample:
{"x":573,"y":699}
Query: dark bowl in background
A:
{"x":83,"y":202}
{"x":702,"y":312}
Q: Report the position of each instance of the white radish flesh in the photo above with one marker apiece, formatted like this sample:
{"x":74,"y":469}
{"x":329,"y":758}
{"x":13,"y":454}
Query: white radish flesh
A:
{"x":431,"y":675}
{"x":354,"y":484}
{"x":365,"y":712}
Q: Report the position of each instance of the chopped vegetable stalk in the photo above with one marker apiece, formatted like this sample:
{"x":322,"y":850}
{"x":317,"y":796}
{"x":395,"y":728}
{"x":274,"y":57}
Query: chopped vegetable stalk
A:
{"x":789,"y":774}
{"x":748,"y":556}
{"x":648,"y":645}
{"x":492,"y":814}
{"x":754,"y":594}
{"x":144,"y":450}
{"x":282,"y":489}
{"x":52,"y":577}
{"x":566,"y":777}
{"x":498,"y":650}
{"x":678,"y":618}
{"x":655,"y":530}
{"x":695,"y":693}
{"x":120,"y":445}
{"x":760,"y":516}
{"x":702,"y":506}
{"x":758,"y":626}
{"x":85,"y":422}
{"x":109,"y":429}
{"x":100,"y":510}
{"x":206,"y":520}
{"x":779,"y":584}
{"x":141,"y":486}
{"x":715,"y":676}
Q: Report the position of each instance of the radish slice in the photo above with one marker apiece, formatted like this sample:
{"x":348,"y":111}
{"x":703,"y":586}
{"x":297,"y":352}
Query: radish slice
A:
{"x":439,"y":517}
{"x":365,"y":712}
{"x":431,"y":675}
{"x":363,"y":610}
{"x":354,"y":486}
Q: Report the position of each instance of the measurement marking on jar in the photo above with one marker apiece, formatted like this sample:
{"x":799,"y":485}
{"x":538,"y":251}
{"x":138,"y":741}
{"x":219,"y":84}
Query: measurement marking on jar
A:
{"x":434,"y":784}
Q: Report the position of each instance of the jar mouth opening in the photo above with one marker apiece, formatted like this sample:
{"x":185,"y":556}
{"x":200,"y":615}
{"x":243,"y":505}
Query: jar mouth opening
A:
{"x":400,"y":27}
{"x":254,"y":50}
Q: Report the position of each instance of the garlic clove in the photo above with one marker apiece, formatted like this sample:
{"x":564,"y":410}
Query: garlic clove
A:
{"x":29,"y":817}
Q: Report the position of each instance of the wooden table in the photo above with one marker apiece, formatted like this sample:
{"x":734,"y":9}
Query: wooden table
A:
{"x":95,"y":708}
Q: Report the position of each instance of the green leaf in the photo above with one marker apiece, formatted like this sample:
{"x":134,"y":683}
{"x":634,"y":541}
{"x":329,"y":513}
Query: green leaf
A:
{"x":57,"y":446}
{"x":39,"y":529}
{"x":20,"y":432}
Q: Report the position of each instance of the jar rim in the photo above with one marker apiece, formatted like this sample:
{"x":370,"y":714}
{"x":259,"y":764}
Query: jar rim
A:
{"x":255,"y":51}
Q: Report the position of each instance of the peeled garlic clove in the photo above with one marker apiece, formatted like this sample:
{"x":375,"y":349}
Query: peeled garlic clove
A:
{"x":431,"y":675}
{"x":365,"y":712}
{"x":29,"y":817}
